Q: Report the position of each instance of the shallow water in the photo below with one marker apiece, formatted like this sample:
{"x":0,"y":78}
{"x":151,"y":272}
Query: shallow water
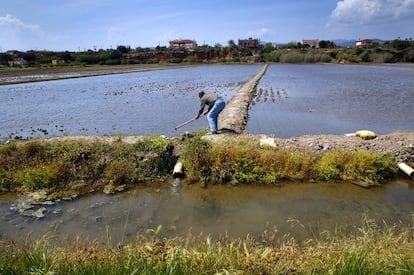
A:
{"x":139,"y":103}
{"x":295,"y":100}
{"x":300,"y":210}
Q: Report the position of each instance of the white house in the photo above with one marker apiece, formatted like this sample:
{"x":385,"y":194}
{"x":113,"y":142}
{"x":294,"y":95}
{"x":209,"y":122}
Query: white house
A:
{"x":17,"y":62}
{"x":183,"y":44}
{"x":363,"y":42}
{"x":313,"y":43}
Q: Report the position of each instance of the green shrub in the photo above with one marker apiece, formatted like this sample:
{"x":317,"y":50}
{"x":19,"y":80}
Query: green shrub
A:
{"x":309,"y":58}
{"x":361,"y":165}
{"x":121,"y":171}
{"x":8,"y":149}
{"x":33,"y":179}
{"x":196,"y":159}
{"x":329,"y":166}
{"x":245,"y":162}
{"x":6,"y":180}
{"x":292,"y":57}
{"x":155,"y":156}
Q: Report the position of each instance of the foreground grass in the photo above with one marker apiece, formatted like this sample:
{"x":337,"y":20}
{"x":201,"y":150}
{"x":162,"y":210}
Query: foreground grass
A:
{"x":370,"y":251}
{"x":64,"y":165}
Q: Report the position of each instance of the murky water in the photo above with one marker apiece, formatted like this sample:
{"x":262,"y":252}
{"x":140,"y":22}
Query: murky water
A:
{"x":295,"y":100}
{"x":138,"y":103}
{"x":300,"y":210}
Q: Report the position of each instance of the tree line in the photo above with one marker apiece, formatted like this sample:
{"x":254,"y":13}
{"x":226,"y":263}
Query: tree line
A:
{"x":393,"y":51}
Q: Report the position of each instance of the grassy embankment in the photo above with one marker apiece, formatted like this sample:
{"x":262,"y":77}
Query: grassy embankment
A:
{"x":63,"y":166}
{"x":370,"y":251}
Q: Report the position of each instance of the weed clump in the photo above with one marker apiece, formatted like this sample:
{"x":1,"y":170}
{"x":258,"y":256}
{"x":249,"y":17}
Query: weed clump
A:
{"x":56,"y":165}
{"x":360,"y":165}
{"x":244,"y":161}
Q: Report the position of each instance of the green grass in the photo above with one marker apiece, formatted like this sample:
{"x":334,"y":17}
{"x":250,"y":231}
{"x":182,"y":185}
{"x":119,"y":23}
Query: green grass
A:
{"x":369,"y":251}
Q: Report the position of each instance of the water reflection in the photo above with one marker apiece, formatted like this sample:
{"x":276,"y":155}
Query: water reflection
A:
{"x":332,"y":99}
{"x":300,"y":210}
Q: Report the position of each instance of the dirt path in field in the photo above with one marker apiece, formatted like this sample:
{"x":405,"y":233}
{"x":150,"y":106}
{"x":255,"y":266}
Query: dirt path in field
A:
{"x":25,"y":75}
{"x":235,"y":115}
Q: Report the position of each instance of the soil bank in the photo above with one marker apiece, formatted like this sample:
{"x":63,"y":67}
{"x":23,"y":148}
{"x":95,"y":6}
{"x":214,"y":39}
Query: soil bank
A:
{"x":26,"y":75}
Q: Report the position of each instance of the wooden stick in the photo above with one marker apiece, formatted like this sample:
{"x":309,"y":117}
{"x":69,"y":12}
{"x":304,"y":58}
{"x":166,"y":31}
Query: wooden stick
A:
{"x":184,"y":123}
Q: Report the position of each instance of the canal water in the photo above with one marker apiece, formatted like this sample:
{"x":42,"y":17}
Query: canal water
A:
{"x":295,"y":100}
{"x":299,"y":210}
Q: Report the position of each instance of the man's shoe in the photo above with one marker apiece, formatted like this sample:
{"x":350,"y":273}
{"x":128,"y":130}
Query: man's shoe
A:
{"x":214,"y":133}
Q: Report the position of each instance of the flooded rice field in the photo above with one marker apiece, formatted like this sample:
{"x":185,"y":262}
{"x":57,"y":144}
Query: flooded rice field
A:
{"x":291,"y":100}
{"x":152,"y":102}
{"x":295,"y":100}
{"x":302,"y":210}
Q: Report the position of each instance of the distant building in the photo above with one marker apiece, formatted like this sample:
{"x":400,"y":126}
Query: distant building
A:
{"x":313,"y":43}
{"x":57,"y":62}
{"x":363,"y":42}
{"x":183,"y":44}
{"x":18,"y":62}
{"x":249,"y":43}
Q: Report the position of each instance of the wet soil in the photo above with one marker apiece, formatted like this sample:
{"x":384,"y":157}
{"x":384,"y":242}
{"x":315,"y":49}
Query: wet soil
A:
{"x":25,"y":75}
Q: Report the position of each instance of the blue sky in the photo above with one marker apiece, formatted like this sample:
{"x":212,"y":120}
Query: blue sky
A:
{"x":74,"y":25}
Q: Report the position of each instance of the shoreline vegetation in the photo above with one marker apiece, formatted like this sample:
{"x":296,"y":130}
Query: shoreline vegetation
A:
{"x":372,"y":250}
{"x":67,"y":166}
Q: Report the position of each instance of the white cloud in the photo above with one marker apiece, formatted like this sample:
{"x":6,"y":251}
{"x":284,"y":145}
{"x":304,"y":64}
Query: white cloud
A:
{"x":113,"y":33}
{"x":19,"y":35}
{"x":367,"y":11}
{"x":259,"y":33}
{"x":13,"y":22}
{"x":385,"y":19}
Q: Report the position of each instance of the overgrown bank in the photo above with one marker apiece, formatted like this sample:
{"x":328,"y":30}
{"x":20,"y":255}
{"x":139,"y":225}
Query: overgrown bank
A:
{"x":75,"y":165}
{"x":370,"y":251}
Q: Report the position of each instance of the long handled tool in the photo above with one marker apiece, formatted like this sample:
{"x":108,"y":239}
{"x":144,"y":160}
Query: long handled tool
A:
{"x":184,"y":123}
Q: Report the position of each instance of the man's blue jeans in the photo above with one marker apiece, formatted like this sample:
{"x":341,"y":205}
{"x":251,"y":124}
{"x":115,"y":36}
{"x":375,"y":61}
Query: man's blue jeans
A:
{"x":214,"y":112}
